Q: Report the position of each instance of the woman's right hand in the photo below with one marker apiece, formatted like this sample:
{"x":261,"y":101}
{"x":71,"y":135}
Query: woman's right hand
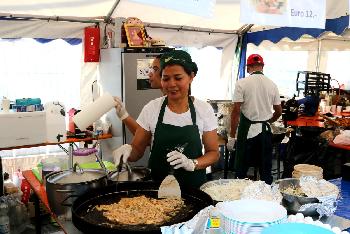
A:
{"x":123,"y":151}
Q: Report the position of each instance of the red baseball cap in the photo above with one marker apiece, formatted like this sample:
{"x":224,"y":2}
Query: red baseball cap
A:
{"x":255,"y":59}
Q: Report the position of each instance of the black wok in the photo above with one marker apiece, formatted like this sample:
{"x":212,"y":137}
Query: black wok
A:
{"x":311,"y":131}
{"x":89,"y":220}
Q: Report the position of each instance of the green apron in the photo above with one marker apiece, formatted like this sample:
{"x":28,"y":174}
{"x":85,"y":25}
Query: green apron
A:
{"x":243,"y":128}
{"x":166,"y":139}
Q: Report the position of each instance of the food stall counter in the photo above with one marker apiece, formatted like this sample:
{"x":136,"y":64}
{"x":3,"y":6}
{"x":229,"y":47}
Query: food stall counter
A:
{"x":40,"y":195}
{"x":338,"y":146}
{"x":310,"y":121}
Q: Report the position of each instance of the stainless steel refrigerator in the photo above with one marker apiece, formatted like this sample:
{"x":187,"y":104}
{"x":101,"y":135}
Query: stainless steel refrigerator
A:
{"x":124,"y":73}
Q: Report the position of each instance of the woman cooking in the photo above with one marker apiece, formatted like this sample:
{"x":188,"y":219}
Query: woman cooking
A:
{"x":177,"y":125}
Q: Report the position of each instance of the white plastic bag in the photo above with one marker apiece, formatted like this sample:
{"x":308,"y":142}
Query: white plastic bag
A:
{"x":343,"y":138}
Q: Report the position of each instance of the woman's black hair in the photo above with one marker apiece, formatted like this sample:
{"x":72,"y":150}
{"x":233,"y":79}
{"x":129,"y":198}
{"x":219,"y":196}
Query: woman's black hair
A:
{"x":179,"y":57}
{"x":186,"y":69}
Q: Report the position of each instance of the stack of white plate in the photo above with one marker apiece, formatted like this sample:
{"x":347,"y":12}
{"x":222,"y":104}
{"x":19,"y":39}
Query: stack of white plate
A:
{"x":250,"y":216}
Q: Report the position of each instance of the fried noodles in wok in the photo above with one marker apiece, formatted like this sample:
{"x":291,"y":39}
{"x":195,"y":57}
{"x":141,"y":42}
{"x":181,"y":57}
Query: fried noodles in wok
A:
{"x":142,"y":210}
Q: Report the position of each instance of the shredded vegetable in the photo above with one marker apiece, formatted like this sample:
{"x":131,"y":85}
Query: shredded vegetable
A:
{"x":226,"y":190}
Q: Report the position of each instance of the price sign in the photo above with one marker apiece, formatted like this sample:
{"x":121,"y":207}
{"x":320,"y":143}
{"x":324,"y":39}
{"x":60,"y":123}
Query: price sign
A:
{"x":291,"y":13}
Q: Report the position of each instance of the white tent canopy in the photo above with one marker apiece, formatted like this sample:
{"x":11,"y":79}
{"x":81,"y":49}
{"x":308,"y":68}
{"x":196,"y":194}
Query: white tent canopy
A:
{"x":59,"y":15}
{"x":41,"y":29}
{"x":225,"y":17}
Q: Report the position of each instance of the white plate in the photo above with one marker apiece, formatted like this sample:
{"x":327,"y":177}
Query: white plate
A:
{"x":252,"y":211}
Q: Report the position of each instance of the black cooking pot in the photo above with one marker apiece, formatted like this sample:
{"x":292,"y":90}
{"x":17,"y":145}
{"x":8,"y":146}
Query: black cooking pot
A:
{"x":63,"y":187}
{"x":311,"y":131}
{"x":89,"y":220}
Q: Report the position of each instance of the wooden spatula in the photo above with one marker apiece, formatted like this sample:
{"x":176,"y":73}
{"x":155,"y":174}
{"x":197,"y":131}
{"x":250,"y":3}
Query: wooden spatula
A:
{"x":169,"y":188}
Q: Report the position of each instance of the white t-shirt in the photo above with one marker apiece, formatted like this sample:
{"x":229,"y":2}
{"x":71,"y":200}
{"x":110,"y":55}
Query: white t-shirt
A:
{"x":258,"y":94}
{"x":205,"y":116}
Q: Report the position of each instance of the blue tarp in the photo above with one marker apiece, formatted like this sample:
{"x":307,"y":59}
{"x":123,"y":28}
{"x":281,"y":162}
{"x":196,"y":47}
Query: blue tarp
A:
{"x":337,"y":26}
{"x":71,"y":41}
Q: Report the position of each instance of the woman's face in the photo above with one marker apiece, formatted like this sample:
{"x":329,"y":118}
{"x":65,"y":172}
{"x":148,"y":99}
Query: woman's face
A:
{"x":176,"y":82}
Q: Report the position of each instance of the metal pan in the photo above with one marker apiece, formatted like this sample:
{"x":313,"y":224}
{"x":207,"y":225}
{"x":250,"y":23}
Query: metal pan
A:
{"x":293,"y":202}
{"x":88,"y":220}
{"x":136,"y":173}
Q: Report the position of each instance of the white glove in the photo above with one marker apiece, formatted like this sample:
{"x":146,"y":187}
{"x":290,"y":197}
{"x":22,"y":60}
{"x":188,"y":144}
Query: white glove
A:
{"x":124,"y":151}
{"x":179,"y":160}
{"x":120,"y":109}
{"x":231,"y":143}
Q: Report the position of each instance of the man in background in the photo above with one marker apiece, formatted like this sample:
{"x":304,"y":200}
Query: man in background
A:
{"x":154,"y":75}
{"x":154,"y":79}
{"x":254,"y":98}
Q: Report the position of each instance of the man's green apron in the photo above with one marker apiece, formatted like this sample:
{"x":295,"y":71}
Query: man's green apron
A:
{"x":243,"y":128}
{"x":168,"y":138}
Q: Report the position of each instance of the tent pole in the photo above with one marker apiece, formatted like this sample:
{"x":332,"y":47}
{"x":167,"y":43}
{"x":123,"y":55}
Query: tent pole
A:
{"x":318,"y":59}
{"x":56,"y":18}
{"x":108,"y":17}
{"x":191,"y":29}
{"x":244,"y":29}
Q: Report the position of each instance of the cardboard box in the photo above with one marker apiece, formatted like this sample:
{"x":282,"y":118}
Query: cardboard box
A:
{"x":22,"y":128}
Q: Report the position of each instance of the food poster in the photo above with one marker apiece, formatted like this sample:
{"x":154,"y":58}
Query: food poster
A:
{"x":143,"y":70}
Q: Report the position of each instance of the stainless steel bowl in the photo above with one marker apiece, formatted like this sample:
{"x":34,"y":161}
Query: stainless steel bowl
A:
{"x":63,"y":187}
{"x":292,"y":202}
{"x":136,"y":173}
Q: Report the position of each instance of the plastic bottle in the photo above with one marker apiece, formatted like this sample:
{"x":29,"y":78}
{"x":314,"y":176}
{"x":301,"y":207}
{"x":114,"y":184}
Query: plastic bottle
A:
{"x":327,"y":100}
{"x":331,"y":97}
{"x":4,"y":219}
{"x":213,"y":224}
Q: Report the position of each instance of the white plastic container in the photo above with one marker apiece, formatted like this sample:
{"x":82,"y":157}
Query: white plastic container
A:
{"x":22,"y":128}
{"x":5,"y":105}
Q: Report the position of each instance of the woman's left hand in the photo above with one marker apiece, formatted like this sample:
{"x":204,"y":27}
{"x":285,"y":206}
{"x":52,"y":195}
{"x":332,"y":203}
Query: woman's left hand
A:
{"x":178,"y":160}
